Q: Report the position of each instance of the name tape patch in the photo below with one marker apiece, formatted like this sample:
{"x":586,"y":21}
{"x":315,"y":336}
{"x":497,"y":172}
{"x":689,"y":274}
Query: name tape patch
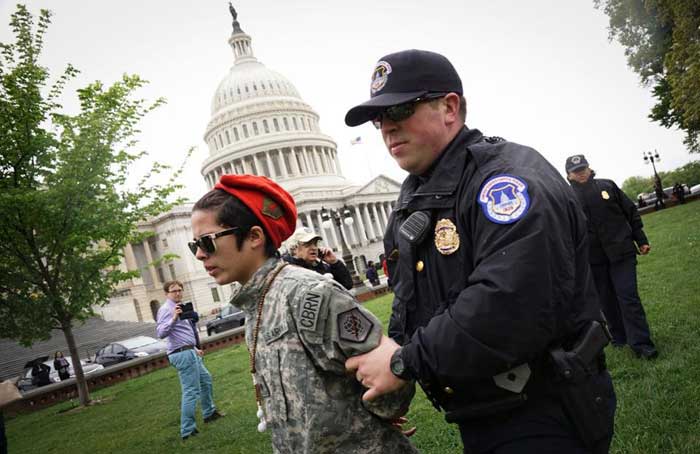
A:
{"x":354,"y":326}
{"x":504,"y":199}
{"x":309,"y":310}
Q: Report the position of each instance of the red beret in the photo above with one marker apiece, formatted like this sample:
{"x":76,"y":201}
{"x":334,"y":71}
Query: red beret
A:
{"x":271,"y":204}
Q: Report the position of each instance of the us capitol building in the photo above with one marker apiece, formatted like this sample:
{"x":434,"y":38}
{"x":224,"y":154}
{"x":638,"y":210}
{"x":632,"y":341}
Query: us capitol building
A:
{"x":259,"y":125}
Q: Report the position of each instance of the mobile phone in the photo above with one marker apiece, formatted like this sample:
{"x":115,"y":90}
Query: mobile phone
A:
{"x":187,"y":311}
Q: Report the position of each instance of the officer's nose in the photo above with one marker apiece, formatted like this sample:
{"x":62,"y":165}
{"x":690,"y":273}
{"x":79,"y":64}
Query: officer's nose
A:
{"x":388,"y":126}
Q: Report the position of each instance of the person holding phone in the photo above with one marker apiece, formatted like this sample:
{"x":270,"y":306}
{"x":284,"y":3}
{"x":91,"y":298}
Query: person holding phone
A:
{"x":308,"y":254}
{"x":185,"y":355}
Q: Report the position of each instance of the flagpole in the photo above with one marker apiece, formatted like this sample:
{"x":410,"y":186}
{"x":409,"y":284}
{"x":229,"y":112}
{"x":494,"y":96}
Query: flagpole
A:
{"x":358,"y":141}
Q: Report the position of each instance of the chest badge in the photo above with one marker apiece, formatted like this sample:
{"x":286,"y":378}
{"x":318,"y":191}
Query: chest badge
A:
{"x":446,"y":237}
{"x":605,"y":195}
{"x":504,"y":199}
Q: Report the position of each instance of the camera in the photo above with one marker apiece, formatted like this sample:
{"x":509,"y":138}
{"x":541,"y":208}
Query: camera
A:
{"x":187,"y":311}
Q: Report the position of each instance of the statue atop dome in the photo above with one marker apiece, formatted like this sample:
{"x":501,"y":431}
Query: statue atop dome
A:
{"x":234,"y":14}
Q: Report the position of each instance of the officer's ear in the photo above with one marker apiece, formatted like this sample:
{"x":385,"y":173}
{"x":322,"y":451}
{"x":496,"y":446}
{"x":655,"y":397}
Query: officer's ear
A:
{"x":452,"y":114}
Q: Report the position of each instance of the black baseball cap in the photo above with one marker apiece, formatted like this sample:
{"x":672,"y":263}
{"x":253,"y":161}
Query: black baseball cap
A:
{"x":403,"y":76}
{"x":575,"y":162}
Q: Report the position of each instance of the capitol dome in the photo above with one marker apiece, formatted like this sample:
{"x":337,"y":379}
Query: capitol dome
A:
{"x":248,"y":80}
{"x":260,"y":125}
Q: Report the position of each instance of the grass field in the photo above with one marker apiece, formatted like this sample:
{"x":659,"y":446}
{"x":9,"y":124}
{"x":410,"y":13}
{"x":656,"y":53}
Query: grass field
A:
{"x":658,"y":402}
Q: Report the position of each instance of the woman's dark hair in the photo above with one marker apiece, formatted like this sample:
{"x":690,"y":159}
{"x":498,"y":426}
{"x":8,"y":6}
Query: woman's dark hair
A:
{"x":231,"y":212}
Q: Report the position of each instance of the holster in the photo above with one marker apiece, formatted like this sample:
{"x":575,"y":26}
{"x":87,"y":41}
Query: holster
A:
{"x":582,"y":393}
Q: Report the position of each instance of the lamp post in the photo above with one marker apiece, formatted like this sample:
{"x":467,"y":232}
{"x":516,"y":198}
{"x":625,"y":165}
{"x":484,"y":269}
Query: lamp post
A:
{"x":332,"y":216}
{"x":652,"y":157}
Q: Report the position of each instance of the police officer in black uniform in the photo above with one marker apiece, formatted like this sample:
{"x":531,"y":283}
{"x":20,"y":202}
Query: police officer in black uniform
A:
{"x":495,"y":312}
{"x":615,"y":236}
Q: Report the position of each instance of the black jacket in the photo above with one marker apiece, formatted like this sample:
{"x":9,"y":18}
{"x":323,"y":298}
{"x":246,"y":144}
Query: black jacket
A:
{"x":508,"y":292}
{"x":338,"y":269}
{"x":614,"y":224}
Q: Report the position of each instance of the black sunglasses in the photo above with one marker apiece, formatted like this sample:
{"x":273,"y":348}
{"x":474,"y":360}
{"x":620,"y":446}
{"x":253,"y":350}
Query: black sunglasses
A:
{"x":206,"y":242}
{"x":401,"y":112}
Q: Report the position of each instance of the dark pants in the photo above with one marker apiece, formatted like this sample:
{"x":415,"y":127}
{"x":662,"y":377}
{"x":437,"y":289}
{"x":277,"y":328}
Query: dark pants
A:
{"x":617,"y":288}
{"x":541,"y":426}
{"x":3,"y":437}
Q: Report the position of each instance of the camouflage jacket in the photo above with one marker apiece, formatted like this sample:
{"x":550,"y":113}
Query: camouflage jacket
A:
{"x":310,"y":325}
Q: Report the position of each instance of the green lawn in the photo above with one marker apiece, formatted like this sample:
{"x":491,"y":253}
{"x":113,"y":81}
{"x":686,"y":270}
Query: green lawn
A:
{"x":658,"y":402}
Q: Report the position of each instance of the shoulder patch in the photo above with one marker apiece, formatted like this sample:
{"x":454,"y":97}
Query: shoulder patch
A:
{"x":354,"y":326}
{"x":504,"y":198}
{"x":309,"y":310}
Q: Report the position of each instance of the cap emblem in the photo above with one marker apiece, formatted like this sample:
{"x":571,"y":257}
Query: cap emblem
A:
{"x":380,"y":76}
{"x":271,"y":209}
{"x":576,"y":160}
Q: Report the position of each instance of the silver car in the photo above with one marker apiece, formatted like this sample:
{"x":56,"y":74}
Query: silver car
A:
{"x":25,"y":382}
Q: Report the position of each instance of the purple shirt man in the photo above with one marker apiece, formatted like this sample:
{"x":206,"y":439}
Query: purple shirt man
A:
{"x":177,"y":333}
{"x":185,"y":356}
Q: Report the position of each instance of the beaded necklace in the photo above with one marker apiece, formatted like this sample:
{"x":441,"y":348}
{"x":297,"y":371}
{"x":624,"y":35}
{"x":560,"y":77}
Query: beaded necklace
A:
{"x":262,"y":425}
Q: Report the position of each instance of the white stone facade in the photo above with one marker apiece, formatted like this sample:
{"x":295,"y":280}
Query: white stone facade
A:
{"x":259,"y":125}
{"x":138,"y":299}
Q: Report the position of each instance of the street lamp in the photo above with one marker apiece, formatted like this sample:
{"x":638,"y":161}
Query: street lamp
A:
{"x":652,"y":157}
{"x":332,"y":216}
{"x":658,"y":187}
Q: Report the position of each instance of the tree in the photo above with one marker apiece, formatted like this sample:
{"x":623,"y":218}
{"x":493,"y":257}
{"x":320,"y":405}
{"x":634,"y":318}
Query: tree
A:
{"x":689,"y":174}
{"x":662,"y":44}
{"x":66,"y":212}
{"x":633,"y":186}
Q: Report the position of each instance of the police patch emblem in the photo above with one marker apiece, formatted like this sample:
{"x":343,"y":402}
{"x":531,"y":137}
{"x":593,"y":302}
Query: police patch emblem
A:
{"x":605,"y":195}
{"x":354,"y":326}
{"x":504,"y":199}
{"x":380,"y":76}
{"x":446,"y":237}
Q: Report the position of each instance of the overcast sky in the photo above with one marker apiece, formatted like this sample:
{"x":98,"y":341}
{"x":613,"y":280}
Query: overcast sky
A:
{"x":540,"y":73}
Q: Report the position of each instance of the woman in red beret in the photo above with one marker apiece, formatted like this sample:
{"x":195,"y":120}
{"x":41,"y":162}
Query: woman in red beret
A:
{"x":300,"y":327}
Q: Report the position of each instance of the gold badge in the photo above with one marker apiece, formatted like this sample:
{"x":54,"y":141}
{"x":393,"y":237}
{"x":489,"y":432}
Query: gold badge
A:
{"x":605,"y":195}
{"x":446,"y":237}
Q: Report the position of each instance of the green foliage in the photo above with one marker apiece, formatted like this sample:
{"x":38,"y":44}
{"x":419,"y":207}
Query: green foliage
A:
{"x":688,"y":174}
{"x":635,"y":185}
{"x":662,"y":43}
{"x":66,"y":211}
{"x":656,"y":411}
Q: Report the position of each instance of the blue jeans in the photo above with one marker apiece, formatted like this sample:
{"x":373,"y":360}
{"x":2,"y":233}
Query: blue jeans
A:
{"x":196,"y":384}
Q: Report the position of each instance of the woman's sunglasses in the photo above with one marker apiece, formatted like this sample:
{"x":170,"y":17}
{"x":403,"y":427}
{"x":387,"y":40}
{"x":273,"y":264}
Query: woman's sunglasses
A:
{"x":404,"y":111}
{"x":206,"y":242}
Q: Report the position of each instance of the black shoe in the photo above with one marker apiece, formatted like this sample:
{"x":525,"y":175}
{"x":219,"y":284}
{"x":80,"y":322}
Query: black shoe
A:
{"x":191,"y":434}
{"x":646,"y":353}
{"x":214,"y":416}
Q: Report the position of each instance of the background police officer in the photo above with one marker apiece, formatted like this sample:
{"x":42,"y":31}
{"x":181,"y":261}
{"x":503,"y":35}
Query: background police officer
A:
{"x":489,"y":261}
{"x":615,"y":236}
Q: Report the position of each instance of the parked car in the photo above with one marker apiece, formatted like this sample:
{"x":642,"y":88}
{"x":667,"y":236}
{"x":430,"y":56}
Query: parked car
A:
{"x":134,"y":347}
{"x":648,"y":197}
{"x":24,"y":383}
{"x":229,"y":317}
